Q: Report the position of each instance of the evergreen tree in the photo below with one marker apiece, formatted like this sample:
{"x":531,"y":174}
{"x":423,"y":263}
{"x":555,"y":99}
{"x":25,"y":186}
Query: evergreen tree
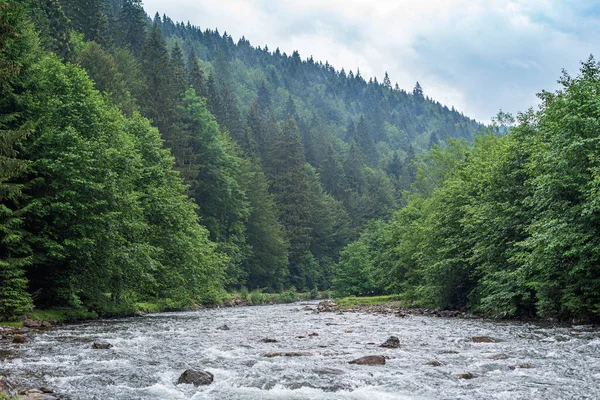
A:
{"x":266,"y":267}
{"x":160,"y":98}
{"x":87,"y":17}
{"x":16,"y":42}
{"x":289,"y":186}
{"x":131,"y":25}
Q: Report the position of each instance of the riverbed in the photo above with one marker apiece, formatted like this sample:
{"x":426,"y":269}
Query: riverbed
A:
{"x":149,"y":353}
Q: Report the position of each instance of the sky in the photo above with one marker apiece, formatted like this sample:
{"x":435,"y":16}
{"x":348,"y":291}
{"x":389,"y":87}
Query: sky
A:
{"x":479,"y":56}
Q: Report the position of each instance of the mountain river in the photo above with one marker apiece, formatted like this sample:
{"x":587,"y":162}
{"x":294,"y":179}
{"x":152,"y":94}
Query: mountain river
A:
{"x":149,"y":353}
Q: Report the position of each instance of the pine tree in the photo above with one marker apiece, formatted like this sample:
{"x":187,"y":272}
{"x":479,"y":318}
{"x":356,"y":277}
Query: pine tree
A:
{"x":387,"y":83}
{"x":196,"y":75}
{"x":131,"y":25}
{"x":159,"y":99}
{"x":53,"y":25}
{"x":16,"y":42}
{"x":267,"y":264}
{"x":289,"y":185}
{"x":418,"y":91}
{"x":180,"y":81}
{"x":87,"y":17}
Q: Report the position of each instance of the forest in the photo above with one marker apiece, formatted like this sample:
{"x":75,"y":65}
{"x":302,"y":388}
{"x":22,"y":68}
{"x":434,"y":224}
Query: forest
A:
{"x":147,"y":160}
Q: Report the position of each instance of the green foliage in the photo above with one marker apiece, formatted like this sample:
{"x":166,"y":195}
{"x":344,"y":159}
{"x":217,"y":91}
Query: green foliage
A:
{"x":506,"y":226}
{"x":17,"y":44}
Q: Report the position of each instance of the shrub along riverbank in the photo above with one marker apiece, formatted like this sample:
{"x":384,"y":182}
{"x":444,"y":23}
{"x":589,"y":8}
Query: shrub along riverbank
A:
{"x":239,"y":298}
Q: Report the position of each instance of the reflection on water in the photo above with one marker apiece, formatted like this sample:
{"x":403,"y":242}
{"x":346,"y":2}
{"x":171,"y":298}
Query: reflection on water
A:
{"x":149,"y":353}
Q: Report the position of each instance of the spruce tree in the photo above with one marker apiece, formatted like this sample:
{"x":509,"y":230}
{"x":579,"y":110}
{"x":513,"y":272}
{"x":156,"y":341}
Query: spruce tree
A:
{"x":16,"y":42}
{"x":289,"y":185}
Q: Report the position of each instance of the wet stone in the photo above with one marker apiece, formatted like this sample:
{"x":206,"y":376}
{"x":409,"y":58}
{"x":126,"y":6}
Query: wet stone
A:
{"x":500,"y":356}
{"x":101,"y":345}
{"x":195,"y":377}
{"x":466,"y":375}
{"x":286,"y":354}
{"x":434,"y":363}
{"x":391,"y":343}
{"x":369,"y":360}
{"x":269,"y":340}
{"x":223,"y":328}
{"x":485,"y":339}
{"x":19,"y":339}
{"x":30,"y":323}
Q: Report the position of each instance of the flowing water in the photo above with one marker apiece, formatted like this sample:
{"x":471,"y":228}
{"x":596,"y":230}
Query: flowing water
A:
{"x":149,"y":353}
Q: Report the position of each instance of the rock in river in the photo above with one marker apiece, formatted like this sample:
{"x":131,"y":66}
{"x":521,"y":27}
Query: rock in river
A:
{"x":19,"y":339}
{"x":392,"y":343}
{"x":196,"y":377}
{"x":99,"y":344}
{"x":269,"y":340}
{"x":286,"y":354}
{"x":369,"y":360}
{"x":223,"y":328}
{"x":32,"y":323}
{"x":485,"y":339}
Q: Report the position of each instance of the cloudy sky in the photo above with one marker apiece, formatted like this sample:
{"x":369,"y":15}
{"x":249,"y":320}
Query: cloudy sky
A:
{"x":479,"y":56}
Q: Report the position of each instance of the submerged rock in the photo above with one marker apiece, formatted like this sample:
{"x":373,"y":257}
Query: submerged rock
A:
{"x":195,"y":377}
{"x":500,"y":356}
{"x":434,"y":363}
{"x":466,"y":375}
{"x":223,"y":328}
{"x":485,"y":339}
{"x":391,"y":343}
{"x":269,"y":340}
{"x":369,"y":360}
{"x":286,"y":354}
{"x":101,"y":345}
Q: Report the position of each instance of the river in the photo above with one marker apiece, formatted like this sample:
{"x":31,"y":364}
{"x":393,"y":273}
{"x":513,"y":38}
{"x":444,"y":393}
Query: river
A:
{"x":150,"y":352}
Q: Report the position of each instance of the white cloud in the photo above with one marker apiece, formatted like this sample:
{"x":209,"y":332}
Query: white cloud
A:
{"x":476,"y":55}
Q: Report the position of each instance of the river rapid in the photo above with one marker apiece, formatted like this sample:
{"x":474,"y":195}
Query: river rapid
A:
{"x":150,"y":352}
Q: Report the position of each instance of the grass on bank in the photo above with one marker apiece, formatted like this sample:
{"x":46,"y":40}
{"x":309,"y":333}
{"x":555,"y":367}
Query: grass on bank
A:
{"x":347,"y":302}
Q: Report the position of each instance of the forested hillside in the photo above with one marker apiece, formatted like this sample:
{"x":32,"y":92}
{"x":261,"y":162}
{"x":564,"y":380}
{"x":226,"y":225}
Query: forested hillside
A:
{"x":146,"y":159}
{"x":507,"y":226}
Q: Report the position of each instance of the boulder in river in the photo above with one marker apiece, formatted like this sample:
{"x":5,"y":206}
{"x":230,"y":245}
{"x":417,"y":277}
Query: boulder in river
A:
{"x":223,"y":327}
{"x":286,"y":354}
{"x":485,"y":339}
{"x":19,"y":339}
{"x":195,"y":377}
{"x":369,"y":360}
{"x":32,"y":323}
{"x":466,"y":375}
{"x":101,"y":345}
{"x":35,"y":394}
{"x":434,"y":363}
{"x":391,"y":343}
{"x":269,"y":340}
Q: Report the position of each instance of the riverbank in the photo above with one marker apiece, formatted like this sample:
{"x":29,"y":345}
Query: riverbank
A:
{"x":241,"y":298}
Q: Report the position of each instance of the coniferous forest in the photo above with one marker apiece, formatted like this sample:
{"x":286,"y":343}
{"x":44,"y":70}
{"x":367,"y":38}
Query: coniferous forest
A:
{"x":145,"y":160}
